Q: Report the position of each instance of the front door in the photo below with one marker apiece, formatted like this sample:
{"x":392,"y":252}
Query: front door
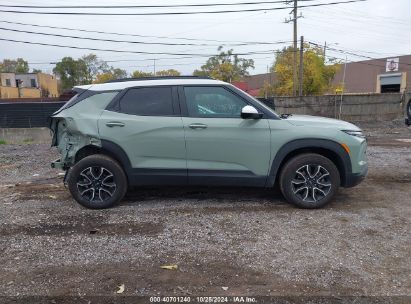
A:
{"x":147,"y":125}
{"x":222,"y":148}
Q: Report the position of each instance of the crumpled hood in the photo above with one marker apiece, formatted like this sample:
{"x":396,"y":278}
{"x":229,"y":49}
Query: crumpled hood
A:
{"x":318,"y":121}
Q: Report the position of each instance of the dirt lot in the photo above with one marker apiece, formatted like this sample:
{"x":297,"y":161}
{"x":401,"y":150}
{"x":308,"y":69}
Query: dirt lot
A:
{"x":249,"y":240}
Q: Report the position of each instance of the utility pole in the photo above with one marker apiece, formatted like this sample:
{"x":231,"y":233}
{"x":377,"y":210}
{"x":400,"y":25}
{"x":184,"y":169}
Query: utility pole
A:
{"x":294,"y":20}
{"x":154,"y":67}
{"x":295,"y":48}
{"x":343,"y":87}
{"x":325,"y":49}
{"x":300,"y":91}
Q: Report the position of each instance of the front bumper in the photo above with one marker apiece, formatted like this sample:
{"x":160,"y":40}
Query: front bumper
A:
{"x":353,"y":179}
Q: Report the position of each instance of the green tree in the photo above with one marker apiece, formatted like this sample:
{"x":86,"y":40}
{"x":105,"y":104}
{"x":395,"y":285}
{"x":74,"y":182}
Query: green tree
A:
{"x":141,"y":74}
{"x":225,"y":66}
{"x":37,"y":71}
{"x":118,"y":73}
{"x":103,"y":77}
{"x":317,"y":76}
{"x":94,"y":66}
{"x":170,"y":72}
{"x":14,"y":66}
{"x":110,"y":75}
{"x":71,"y":72}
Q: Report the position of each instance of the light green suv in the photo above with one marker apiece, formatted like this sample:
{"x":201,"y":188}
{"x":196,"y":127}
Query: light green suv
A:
{"x":196,"y":131}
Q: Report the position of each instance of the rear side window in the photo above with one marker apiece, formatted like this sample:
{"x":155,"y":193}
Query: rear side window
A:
{"x":87,"y":95}
{"x":155,"y":101}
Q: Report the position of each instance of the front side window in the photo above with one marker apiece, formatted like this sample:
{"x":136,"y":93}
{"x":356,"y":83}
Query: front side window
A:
{"x":213,"y":102}
{"x":155,"y":101}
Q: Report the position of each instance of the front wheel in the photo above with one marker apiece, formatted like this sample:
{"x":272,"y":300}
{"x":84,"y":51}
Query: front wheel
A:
{"x":97,"y":182}
{"x":409,"y":109}
{"x":309,"y":181}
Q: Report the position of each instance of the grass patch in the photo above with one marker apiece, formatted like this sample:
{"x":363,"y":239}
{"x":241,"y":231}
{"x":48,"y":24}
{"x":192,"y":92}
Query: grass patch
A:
{"x":3,"y":142}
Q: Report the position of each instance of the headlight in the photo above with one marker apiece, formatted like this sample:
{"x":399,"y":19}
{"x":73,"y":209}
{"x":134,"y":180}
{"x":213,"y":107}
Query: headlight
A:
{"x":354,"y":133}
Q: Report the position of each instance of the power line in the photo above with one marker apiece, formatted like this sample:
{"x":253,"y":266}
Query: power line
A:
{"x":224,"y":43}
{"x":363,"y":15}
{"x":361,"y":51}
{"x":128,"y":41}
{"x":354,"y":54}
{"x":157,"y":59}
{"x":176,"y":13}
{"x":354,"y":33}
{"x":149,"y":6}
{"x":130,"y":52}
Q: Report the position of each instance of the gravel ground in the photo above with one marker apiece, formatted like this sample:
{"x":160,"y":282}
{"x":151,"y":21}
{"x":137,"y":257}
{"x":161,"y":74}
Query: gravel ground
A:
{"x":249,"y":240}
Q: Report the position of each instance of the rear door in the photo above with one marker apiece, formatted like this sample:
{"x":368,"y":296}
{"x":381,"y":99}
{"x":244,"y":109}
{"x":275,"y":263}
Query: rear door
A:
{"x":223,"y":148}
{"x":146,"y":123}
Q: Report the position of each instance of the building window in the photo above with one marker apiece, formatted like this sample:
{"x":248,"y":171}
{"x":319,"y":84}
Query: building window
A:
{"x":33,"y":83}
{"x":8,"y":82}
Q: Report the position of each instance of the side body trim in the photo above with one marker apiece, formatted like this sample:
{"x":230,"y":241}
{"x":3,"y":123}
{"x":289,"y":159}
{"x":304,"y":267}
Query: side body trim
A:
{"x":155,"y":176}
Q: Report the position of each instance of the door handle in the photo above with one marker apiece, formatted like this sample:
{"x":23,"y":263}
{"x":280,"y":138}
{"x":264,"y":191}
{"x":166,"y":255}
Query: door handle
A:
{"x":197,"y":126}
{"x":115,"y":124}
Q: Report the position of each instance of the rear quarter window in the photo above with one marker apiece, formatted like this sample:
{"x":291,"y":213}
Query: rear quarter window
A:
{"x":99,"y":99}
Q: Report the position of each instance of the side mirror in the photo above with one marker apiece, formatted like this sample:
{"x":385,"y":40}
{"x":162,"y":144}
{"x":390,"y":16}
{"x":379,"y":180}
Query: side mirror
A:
{"x":249,"y":112}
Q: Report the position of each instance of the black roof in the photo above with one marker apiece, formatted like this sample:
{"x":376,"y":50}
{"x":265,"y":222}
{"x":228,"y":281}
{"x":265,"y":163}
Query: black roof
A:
{"x":157,"y":78}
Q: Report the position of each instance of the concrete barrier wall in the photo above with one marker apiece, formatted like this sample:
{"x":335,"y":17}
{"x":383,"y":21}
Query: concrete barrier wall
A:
{"x":25,"y":135}
{"x":362,"y":107}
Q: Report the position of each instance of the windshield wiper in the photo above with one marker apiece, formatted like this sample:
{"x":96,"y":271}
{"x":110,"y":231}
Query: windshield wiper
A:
{"x":285,"y":116}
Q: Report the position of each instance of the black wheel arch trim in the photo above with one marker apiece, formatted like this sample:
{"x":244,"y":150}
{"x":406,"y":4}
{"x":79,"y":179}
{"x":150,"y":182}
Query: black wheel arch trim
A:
{"x":408,"y":109}
{"x":115,"y":151}
{"x":314,"y":143}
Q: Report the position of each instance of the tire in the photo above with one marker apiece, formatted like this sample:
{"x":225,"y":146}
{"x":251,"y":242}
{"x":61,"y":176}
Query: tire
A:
{"x":409,"y":109}
{"x":97,"y":182}
{"x":309,"y":181}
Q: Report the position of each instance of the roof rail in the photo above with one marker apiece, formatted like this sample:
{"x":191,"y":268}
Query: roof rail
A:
{"x":157,"y":78}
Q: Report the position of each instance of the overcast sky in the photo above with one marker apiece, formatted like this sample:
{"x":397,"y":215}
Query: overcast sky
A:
{"x":375,"y":28}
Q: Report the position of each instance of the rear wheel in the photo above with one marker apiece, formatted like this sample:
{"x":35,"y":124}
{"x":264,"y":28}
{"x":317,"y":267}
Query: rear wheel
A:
{"x":97,"y":182}
{"x":409,"y":109}
{"x":309,"y":181}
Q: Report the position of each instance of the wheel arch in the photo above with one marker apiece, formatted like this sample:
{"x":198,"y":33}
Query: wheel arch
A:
{"x":408,"y":108}
{"x":110,"y":149}
{"x":327,"y":148}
